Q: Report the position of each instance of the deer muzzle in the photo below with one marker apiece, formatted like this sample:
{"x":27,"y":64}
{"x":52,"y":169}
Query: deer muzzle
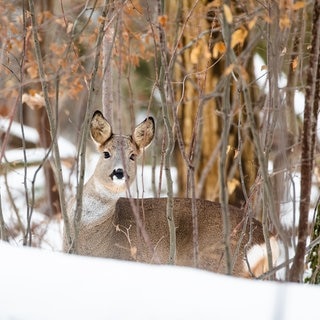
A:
{"x":118,"y":174}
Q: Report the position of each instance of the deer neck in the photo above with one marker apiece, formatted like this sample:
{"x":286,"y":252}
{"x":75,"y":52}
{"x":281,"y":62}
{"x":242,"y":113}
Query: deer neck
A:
{"x":98,"y":202}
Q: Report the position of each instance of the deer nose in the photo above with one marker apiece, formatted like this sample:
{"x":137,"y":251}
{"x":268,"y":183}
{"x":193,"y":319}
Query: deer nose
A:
{"x":119,"y":173}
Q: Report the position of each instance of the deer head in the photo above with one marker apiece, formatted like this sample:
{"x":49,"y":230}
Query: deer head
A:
{"x":116,"y":168}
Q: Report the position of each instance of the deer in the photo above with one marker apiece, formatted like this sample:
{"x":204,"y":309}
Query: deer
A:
{"x":119,"y":227}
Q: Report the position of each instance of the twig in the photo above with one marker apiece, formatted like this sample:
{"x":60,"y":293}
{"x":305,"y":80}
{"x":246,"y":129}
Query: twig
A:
{"x":3,"y":231}
{"x":12,"y":203}
{"x":28,"y":234}
{"x":83,"y":11}
{"x":308,"y":142}
{"x":27,"y":229}
{"x":85,"y":129}
{"x":167,"y":99}
{"x":52,"y":121}
{"x":107,"y":80}
{"x":226,"y":116}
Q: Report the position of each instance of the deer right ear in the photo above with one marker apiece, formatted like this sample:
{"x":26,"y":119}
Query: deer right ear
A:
{"x":144,"y":133}
{"x":100,"y":128}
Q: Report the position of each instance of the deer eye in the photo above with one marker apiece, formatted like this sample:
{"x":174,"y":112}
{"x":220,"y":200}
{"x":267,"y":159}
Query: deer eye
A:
{"x":106,"y":155}
{"x":133,"y":157}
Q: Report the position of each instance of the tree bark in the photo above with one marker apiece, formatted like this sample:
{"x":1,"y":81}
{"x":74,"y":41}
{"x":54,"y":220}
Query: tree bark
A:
{"x":198,"y":75}
{"x":308,"y":142}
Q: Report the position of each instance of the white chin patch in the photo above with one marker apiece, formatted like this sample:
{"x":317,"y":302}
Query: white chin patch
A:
{"x":119,"y":182}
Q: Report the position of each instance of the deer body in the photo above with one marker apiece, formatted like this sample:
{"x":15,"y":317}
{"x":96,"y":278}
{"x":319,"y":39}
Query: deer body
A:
{"x":137,"y":229}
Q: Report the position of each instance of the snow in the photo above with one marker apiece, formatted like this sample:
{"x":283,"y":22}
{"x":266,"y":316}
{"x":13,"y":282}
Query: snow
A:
{"x":30,"y":134}
{"x":37,"y":284}
{"x":261,"y":74}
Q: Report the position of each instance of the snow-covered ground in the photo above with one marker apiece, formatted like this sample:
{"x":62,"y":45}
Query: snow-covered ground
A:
{"x":37,"y":284}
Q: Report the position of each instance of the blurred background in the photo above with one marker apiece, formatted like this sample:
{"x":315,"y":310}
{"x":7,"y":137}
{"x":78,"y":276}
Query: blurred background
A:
{"x":232,"y":84}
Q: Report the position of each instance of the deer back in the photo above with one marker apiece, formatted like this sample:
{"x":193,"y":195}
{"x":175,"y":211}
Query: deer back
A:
{"x":138,"y":231}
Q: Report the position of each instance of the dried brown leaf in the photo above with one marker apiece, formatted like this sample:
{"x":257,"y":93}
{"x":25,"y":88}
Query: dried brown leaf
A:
{"x":195,"y":53}
{"x":295,"y":63}
{"x":298,"y":5}
{"x":227,"y":13}
{"x":284,"y":22}
{"x":34,"y":101}
{"x":218,"y":48}
{"x":163,"y":20}
{"x":238,"y":37}
{"x":228,"y":70}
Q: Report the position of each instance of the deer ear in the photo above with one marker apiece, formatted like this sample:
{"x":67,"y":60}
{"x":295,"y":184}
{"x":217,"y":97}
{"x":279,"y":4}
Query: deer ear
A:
{"x":100,"y":128}
{"x":144,"y":133}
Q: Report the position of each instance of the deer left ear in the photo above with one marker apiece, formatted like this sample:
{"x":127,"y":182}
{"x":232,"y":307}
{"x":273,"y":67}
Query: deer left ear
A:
{"x":144,"y":133}
{"x":100,"y":128}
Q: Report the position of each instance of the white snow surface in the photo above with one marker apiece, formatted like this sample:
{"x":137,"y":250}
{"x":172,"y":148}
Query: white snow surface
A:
{"x":38,"y":284}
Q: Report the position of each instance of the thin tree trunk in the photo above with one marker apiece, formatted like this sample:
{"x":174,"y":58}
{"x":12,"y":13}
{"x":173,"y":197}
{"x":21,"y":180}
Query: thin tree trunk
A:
{"x":52,"y":121}
{"x":107,"y":80}
{"x":40,"y":120}
{"x":51,"y":194}
{"x":167,"y":100}
{"x":308,"y":142}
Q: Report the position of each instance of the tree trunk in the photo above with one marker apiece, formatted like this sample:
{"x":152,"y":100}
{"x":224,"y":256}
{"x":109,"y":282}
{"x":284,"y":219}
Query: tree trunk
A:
{"x":312,"y":102}
{"x":199,"y":74}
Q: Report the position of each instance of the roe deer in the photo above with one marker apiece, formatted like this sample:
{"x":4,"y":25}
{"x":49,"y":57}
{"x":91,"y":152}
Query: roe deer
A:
{"x":137,"y":229}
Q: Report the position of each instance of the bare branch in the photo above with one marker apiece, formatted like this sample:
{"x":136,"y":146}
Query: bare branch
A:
{"x":165,"y":87}
{"x":50,"y":114}
{"x":85,"y":128}
{"x":308,"y":143}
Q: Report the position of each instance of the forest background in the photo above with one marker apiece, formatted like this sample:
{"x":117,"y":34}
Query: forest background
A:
{"x":234,"y":86}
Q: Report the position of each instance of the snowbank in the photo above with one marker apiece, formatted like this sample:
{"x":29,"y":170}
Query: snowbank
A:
{"x":36,"y":284}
